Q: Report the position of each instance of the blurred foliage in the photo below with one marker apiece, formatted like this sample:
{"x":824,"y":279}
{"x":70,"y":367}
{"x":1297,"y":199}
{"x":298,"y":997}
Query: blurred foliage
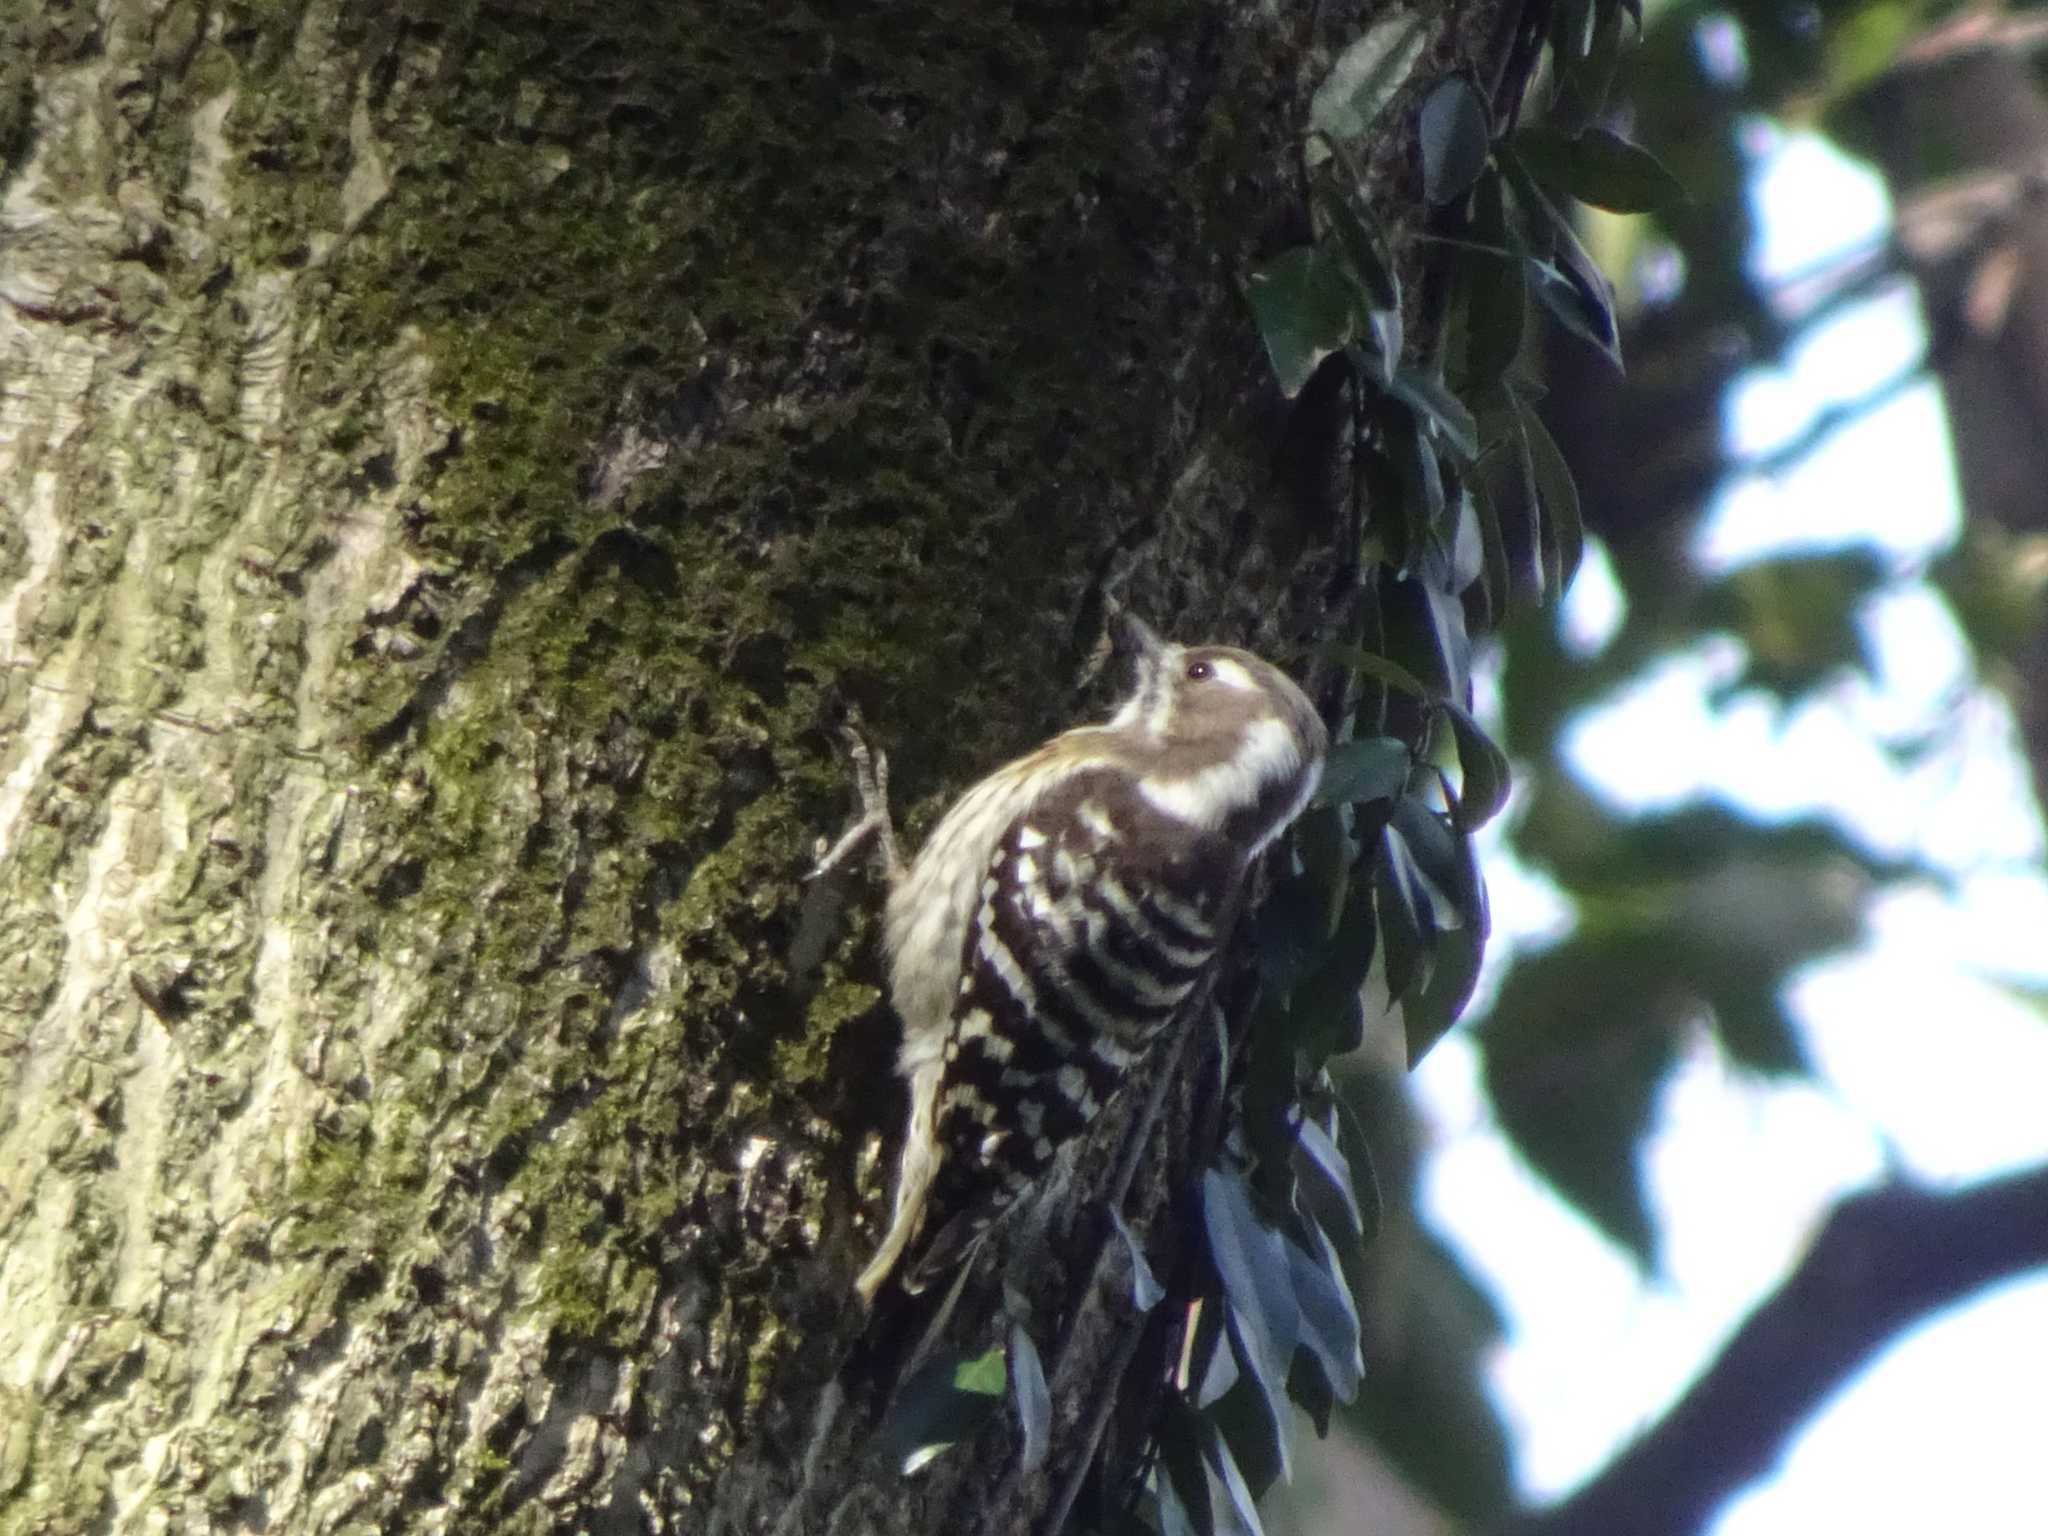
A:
{"x":1694,"y":919}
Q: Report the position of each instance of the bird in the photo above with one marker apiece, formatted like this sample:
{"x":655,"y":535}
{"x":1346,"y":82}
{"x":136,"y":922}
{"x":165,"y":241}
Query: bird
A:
{"x":1061,"y":915}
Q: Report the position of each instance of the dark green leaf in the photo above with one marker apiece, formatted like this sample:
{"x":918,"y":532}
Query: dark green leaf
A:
{"x":1146,"y":1291}
{"x":1535,"y":574}
{"x":1224,"y":1465}
{"x":1599,"y":167}
{"x":1034,"y":1402}
{"x":1425,"y":633}
{"x":1220,"y":1374}
{"x":1322,"y":841}
{"x":1577,"y":1046}
{"x":948,"y":1399}
{"x":1493,"y":549}
{"x":1479,"y":914}
{"x":1375,"y":353}
{"x":1269,"y":1087}
{"x":1426,"y":898}
{"x":1547,"y":155}
{"x":1468,"y":549}
{"x":1384,"y":329}
{"x":1474,"y":905}
{"x":1362,"y":257}
{"x":1593,"y":294}
{"x":1571,"y":31}
{"x":1564,"y":529}
{"x":1361,"y":241}
{"x":1453,"y":640}
{"x":1444,"y":856}
{"x":1428,"y":1017}
{"x":1338,"y":1029}
{"x":1367,"y":75}
{"x":1379,"y":668}
{"x":1311,"y":1391}
{"x":1174,"y":1519}
{"x":1123,"y":1522}
{"x":1496,"y":289}
{"x":1485,"y":771}
{"x":1564,"y":278}
{"x":1586,"y":43}
{"x":1373,"y":769}
{"x":1379,"y":482}
{"x":1365,"y":1180}
{"x":1319,"y":1151}
{"x":1287,"y":933}
{"x":1327,"y":1013}
{"x":1183,"y":1488}
{"x":1750,"y":1017}
{"x":1354,"y":175}
{"x":1421,"y":476}
{"x":1251,"y":1259}
{"x":1456,"y":138}
{"x":1407,"y":925}
{"x":1430,"y":399}
{"x":1256,"y":1415}
{"x":1306,"y":309}
{"x":1533,"y":219}
{"x":1586,"y":311}
{"x":1329,"y":1320}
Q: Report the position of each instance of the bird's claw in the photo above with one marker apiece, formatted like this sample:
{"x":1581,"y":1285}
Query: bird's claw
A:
{"x":873,"y":825}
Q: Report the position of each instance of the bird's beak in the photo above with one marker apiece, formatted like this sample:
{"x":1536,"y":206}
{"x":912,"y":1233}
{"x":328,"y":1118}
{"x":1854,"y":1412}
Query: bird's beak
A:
{"x":1137,"y":640}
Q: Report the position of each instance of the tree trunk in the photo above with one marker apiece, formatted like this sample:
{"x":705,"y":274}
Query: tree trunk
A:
{"x":1966,"y":96}
{"x":459,"y":465}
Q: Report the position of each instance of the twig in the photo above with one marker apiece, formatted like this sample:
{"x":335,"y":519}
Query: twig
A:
{"x":1885,"y":1259}
{"x":1832,"y":420}
{"x":1098,"y":1421}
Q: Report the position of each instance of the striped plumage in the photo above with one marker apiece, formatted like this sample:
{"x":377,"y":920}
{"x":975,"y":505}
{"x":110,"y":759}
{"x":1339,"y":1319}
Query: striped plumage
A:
{"x":1062,"y":912}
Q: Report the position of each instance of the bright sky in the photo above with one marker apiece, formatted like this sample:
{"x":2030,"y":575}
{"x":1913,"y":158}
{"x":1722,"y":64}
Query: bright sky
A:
{"x":1927,"y":1067}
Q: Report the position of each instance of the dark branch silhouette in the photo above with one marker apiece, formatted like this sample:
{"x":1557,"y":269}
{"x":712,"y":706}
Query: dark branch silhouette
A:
{"x":1885,"y":1259}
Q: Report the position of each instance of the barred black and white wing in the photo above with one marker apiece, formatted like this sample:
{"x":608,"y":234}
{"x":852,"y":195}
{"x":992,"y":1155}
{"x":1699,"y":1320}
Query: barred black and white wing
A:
{"x":1098,"y":916}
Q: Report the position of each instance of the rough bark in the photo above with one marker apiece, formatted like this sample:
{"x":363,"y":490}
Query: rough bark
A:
{"x":459,"y":464}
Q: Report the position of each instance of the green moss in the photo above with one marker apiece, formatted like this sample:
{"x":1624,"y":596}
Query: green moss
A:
{"x":606,"y":737}
{"x":21,"y":1412}
{"x":326,"y":1191}
{"x":765,"y":835}
{"x":804,"y":1060}
{"x":764,"y":1358}
{"x":575,"y":1292}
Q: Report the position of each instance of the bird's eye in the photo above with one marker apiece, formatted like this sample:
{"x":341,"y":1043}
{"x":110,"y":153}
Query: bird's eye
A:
{"x":1199,"y":671}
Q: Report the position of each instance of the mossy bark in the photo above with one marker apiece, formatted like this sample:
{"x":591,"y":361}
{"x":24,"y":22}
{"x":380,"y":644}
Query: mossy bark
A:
{"x":459,"y":464}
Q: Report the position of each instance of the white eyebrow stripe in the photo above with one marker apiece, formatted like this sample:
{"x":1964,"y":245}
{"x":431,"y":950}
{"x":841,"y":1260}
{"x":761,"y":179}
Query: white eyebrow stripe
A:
{"x":1234,"y":674}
